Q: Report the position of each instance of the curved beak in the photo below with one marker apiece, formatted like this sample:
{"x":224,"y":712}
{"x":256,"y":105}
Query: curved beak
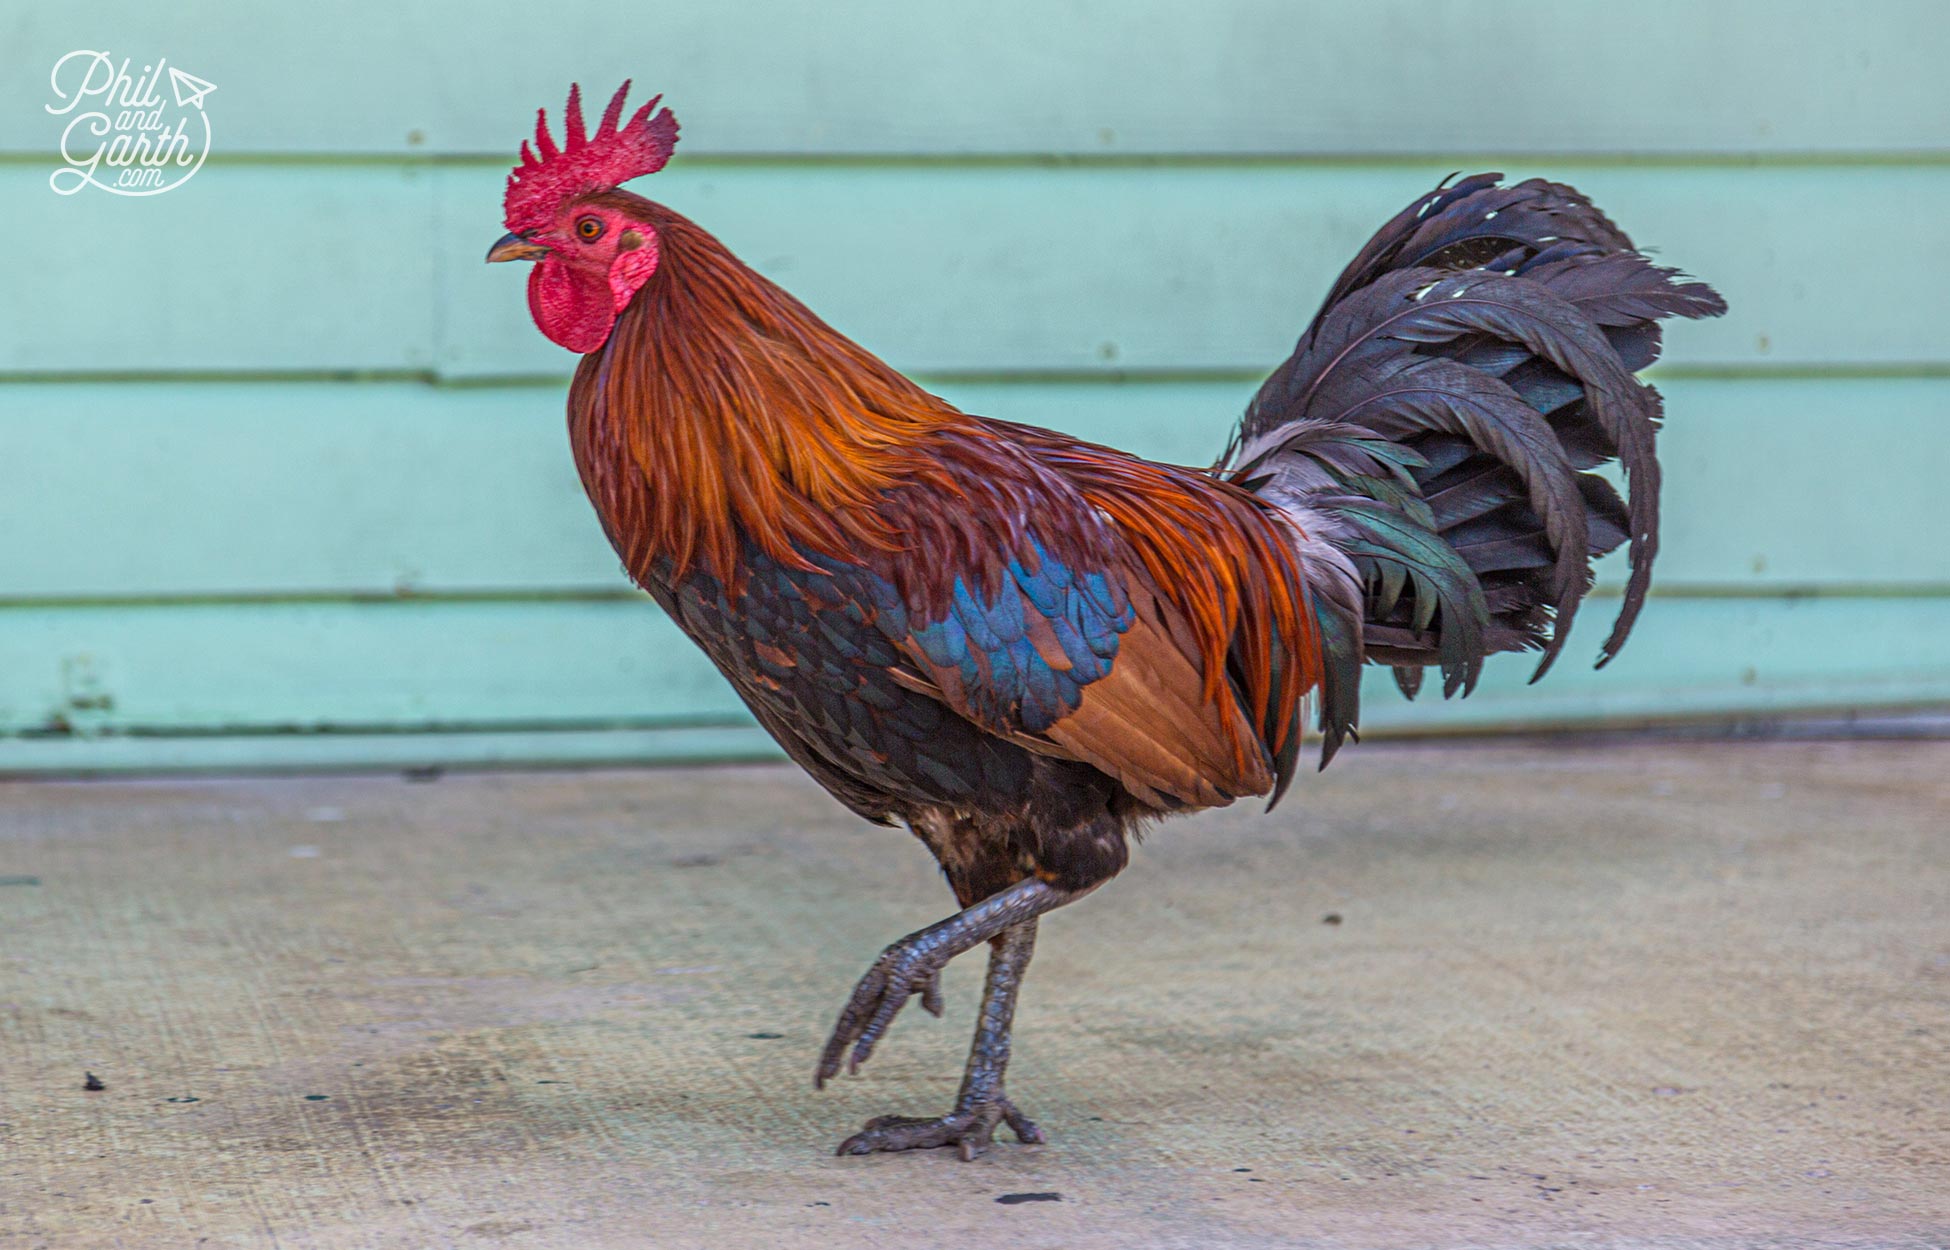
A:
{"x":512,"y":246}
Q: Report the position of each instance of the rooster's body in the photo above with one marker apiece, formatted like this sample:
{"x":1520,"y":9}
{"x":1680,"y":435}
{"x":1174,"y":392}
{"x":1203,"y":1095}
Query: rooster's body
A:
{"x":1023,"y":646}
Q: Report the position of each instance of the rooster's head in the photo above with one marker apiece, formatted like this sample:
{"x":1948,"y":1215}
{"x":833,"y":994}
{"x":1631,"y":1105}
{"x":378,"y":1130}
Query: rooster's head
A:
{"x":592,"y":246}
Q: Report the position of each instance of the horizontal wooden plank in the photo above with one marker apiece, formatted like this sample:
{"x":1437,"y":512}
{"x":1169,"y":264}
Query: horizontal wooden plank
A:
{"x":959,"y":269}
{"x":246,"y":268}
{"x":316,"y":668}
{"x":882,"y":76}
{"x":184,"y":489}
{"x":148,"y":489}
{"x":235,"y":753}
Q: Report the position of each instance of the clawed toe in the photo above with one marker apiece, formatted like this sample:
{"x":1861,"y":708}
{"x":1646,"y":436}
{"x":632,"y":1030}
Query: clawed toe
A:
{"x":900,"y":973}
{"x":969,"y":1129}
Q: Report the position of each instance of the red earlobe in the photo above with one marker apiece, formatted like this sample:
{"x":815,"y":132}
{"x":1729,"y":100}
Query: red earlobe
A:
{"x":631,"y":269}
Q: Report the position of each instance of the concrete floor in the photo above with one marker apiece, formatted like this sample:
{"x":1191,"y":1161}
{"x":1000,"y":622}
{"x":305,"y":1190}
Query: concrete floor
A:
{"x":1585,"y":995}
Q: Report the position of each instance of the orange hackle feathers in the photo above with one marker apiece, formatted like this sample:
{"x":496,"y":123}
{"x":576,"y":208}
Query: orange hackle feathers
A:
{"x":740,"y":414}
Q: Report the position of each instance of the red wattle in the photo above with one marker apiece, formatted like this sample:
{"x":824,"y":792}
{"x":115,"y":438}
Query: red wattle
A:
{"x":573,"y":311}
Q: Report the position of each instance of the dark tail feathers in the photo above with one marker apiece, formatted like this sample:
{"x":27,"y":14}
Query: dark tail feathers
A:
{"x":1438,"y":421}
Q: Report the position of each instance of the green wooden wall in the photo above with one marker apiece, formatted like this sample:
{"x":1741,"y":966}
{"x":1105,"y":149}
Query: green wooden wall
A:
{"x":282,"y":471}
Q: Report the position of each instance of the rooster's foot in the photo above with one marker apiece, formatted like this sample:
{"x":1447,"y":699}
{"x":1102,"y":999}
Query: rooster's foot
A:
{"x":913,"y":966}
{"x":968,"y":1128}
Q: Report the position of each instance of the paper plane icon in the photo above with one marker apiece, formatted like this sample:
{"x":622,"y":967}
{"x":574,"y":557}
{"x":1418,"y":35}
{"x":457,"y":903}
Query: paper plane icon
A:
{"x":190,"y":89}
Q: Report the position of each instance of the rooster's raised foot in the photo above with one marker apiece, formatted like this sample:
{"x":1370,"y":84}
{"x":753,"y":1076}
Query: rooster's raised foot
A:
{"x":912,"y":966}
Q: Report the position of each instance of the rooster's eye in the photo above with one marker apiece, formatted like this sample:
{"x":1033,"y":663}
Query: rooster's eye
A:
{"x":590,"y":228}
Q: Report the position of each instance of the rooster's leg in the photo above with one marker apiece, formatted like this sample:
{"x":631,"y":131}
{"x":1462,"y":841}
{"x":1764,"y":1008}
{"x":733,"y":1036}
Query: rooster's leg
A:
{"x":911,"y":966}
{"x":981,"y":1104}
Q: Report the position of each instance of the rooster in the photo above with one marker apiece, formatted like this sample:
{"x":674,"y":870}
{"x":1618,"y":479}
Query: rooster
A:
{"x":1025,"y":647}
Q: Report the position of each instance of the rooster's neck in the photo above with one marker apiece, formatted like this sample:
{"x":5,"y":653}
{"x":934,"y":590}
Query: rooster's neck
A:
{"x":723,"y":413}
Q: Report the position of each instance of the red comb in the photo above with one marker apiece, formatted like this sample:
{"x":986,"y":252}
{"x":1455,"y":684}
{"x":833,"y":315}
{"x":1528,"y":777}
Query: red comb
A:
{"x":584,"y":163}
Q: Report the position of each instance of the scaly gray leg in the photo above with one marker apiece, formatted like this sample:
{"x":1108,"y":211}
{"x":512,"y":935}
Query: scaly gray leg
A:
{"x":981,"y":1105}
{"x":912,"y":966}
